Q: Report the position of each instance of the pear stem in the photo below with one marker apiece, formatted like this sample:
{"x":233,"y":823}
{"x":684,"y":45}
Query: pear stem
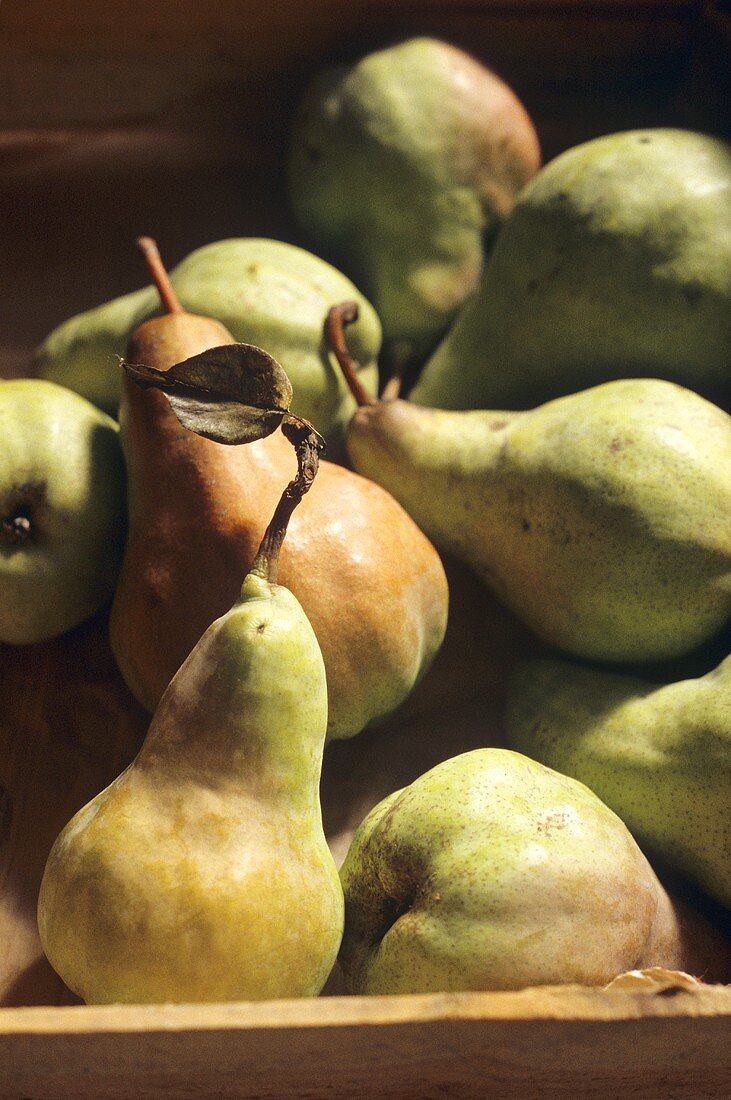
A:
{"x":158,"y":274}
{"x":308,"y":445}
{"x":392,"y":389}
{"x":338,"y":317}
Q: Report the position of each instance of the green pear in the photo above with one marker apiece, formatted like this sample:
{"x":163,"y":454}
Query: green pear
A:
{"x":264,"y":292}
{"x":615,"y":263}
{"x":493,"y":872}
{"x":202,"y":873}
{"x":62,"y":510}
{"x":660,"y":756}
{"x":603,"y":519}
{"x":401,"y":166}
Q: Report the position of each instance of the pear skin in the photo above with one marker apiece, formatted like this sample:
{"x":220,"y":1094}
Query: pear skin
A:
{"x":659,"y":756}
{"x":372,"y":585}
{"x":265,"y":292}
{"x":62,"y":510}
{"x":493,"y":872}
{"x":615,"y":263}
{"x":372,"y":582}
{"x":402,"y":166}
{"x":202,"y":873}
{"x":603,"y":519}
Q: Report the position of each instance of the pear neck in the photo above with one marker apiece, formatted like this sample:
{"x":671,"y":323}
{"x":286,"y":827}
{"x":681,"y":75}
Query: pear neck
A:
{"x":470,"y":442}
{"x":247,"y":711}
{"x":241,"y":760}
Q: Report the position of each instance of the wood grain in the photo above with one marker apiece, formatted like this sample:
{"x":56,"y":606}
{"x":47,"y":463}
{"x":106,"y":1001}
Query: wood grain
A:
{"x":552,"y":1043}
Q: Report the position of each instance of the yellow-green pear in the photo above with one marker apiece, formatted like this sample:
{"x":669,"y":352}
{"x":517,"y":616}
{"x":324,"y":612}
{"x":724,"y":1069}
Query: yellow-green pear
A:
{"x":265,"y":292}
{"x":202,"y":873}
{"x":62,"y":510}
{"x":660,"y":756}
{"x":615,"y":263}
{"x":403,"y":166}
{"x":602,"y":519}
{"x":492,"y":871}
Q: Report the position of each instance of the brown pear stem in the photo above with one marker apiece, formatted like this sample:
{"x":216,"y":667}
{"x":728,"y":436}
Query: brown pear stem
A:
{"x":392,"y":390}
{"x":158,"y":274}
{"x":339,"y":316}
{"x":307,"y":444}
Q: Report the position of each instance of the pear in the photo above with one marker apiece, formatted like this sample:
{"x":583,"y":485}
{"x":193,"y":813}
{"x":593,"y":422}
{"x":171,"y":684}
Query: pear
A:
{"x":602,"y":519}
{"x":615,"y":263}
{"x":267,"y":293}
{"x":62,"y":510}
{"x":370,"y":582}
{"x":660,"y":756}
{"x":491,"y":871}
{"x":402,"y":166}
{"x":202,"y":873}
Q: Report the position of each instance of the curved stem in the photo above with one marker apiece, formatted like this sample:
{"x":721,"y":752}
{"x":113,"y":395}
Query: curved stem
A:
{"x":338,"y":317}
{"x":308,"y":445}
{"x":158,"y":274}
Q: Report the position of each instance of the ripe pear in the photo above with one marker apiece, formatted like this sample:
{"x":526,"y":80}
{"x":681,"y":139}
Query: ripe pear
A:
{"x":264,"y":292}
{"x":491,"y":871}
{"x":615,"y":263}
{"x":370,"y":582}
{"x":402,"y":165}
{"x":202,"y":873}
{"x":62,"y":510}
{"x":660,"y":756}
{"x":602,"y":519}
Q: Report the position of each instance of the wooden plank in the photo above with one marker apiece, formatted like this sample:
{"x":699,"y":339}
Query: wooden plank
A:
{"x":547,"y":1042}
{"x":141,"y":61}
{"x":78,"y":21}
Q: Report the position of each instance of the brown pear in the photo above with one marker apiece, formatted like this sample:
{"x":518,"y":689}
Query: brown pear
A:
{"x":370,"y":582}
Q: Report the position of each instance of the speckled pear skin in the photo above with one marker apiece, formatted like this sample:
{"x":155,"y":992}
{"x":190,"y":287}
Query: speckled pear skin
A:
{"x":603,"y":519}
{"x":400,"y":166}
{"x":615,"y":262}
{"x":660,"y":756}
{"x":61,"y":471}
{"x":265,"y":292}
{"x":493,"y":872}
{"x":202,"y":873}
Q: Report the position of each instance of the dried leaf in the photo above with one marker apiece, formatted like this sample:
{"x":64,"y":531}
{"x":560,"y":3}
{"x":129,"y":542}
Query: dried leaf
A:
{"x":224,"y":421}
{"x":235,"y":393}
{"x":654,"y":979}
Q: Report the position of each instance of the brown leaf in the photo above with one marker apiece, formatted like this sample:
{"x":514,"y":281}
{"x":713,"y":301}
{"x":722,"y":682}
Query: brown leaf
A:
{"x":654,"y":979}
{"x":232,"y":394}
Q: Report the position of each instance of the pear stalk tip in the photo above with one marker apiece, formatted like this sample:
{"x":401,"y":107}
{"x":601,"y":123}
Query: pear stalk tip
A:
{"x":158,"y":274}
{"x":338,"y":317}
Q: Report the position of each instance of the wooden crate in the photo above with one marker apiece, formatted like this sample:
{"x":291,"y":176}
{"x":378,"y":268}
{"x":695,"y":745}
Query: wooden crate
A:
{"x":171,"y":119}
